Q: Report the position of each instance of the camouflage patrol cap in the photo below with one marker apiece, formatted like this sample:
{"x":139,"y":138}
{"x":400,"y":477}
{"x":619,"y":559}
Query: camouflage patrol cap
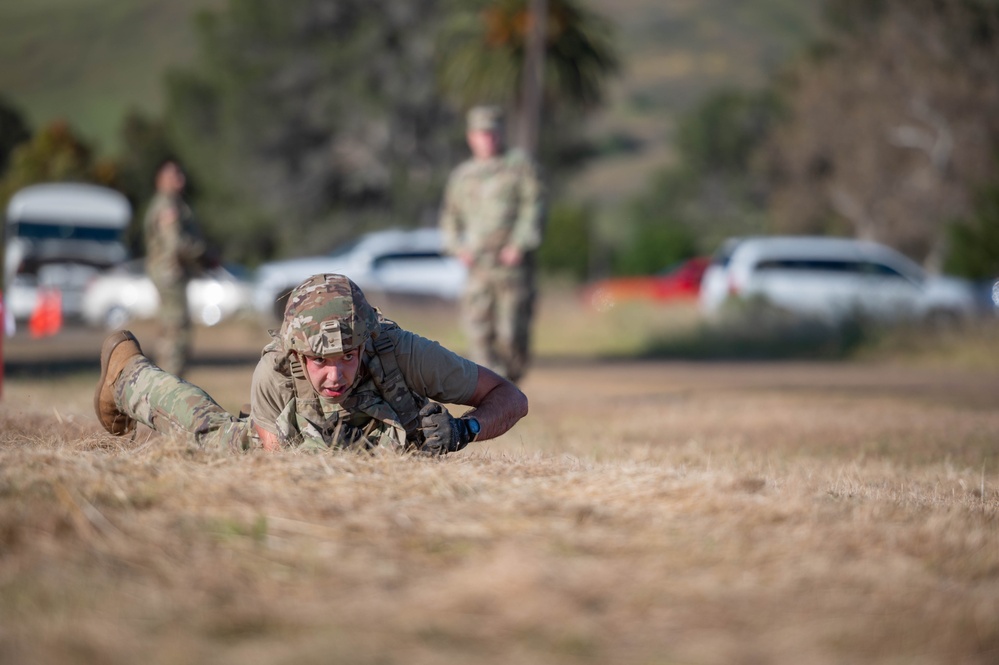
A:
{"x":327,"y":314}
{"x":485,"y":118}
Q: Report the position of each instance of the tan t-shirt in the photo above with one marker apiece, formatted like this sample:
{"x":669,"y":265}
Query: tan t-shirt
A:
{"x":428,"y":368}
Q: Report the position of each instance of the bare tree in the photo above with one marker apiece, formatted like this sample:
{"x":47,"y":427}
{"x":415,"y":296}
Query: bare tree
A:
{"x":892,"y":126}
{"x":533,"y":82}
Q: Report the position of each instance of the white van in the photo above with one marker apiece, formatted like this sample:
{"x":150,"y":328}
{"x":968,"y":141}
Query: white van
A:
{"x":831,"y":278}
{"x":59,"y":236}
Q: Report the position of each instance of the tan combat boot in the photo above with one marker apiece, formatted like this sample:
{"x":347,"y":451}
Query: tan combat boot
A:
{"x":117,"y":350}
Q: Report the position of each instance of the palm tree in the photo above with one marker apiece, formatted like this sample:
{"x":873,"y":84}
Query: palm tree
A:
{"x":485,"y":57}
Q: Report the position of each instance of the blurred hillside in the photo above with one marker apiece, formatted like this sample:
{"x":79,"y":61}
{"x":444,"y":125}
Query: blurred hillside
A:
{"x":673,"y":54}
{"x":90,"y":61}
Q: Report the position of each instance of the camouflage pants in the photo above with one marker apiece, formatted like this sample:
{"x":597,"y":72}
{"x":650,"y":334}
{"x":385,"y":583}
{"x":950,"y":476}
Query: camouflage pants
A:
{"x":170,"y":405}
{"x":174,"y":345}
{"x":497,"y":310}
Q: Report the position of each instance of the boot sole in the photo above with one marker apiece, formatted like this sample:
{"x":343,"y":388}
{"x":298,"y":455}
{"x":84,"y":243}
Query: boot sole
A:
{"x":110,"y":344}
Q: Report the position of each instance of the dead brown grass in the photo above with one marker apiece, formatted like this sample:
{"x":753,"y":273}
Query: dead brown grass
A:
{"x":661,"y":512}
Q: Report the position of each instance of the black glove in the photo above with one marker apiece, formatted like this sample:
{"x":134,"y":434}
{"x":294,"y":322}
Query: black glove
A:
{"x":442,"y":432}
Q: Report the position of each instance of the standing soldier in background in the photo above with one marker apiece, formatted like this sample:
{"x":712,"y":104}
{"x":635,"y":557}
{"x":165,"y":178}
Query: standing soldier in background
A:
{"x":492,"y":221}
{"x":174,"y":252}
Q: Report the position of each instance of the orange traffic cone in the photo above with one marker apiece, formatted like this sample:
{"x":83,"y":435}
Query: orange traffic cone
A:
{"x":47,"y":317}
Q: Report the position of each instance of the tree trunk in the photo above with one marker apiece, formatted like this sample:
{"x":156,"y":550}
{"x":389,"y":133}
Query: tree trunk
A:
{"x":533,"y":79}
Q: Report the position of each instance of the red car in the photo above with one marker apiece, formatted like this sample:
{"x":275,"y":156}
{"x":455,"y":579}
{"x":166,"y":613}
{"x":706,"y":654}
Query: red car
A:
{"x":677,"y":283}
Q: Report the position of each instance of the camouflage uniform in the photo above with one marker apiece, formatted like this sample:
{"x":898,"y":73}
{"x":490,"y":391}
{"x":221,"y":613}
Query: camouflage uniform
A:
{"x":489,"y":204}
{"x":170,"y":405}
{"x":173,"y":255}
{"x":400,"y":372}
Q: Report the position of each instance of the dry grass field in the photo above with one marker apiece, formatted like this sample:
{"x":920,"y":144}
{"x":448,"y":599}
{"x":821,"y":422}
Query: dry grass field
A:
{"x":644,"y":512}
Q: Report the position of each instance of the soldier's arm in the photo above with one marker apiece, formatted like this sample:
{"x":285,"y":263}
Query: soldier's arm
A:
{"x":268,"y":440}
{"x":168,"y":219}
{"x":269,"y":392}
{"x":192,"y":246}
{"x":450,"y":219}
{"x":527,"y":230}
{"x":442,"y":375}
{"x":192,"y":249}
{"x":498,"y":404}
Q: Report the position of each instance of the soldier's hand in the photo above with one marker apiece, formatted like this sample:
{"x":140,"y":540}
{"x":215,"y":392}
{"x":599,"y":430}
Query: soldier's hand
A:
{"x":511,"y":256}
{"x":467,"y":258}
{"x":169,"y":218}
{"x":442,"y":432}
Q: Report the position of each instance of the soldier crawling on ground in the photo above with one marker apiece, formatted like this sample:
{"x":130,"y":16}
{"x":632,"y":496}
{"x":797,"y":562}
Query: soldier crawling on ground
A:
{"x":336,"y":374}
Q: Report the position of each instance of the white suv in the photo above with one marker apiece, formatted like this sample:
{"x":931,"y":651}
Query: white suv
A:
{"x":394,"y":262}
{"x":831,"y":278}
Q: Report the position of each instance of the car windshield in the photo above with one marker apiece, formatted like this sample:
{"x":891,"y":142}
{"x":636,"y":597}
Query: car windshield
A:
{"x":724,"y":253}
{"x":40,"y":230}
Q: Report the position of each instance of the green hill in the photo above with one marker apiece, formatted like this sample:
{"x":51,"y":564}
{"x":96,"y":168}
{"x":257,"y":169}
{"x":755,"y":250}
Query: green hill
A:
{"x":89,"y":61}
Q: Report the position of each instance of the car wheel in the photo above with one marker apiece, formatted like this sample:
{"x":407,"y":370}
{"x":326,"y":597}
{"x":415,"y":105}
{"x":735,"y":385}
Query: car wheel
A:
{"x":116,"y":317}
{"x":943,"y":319}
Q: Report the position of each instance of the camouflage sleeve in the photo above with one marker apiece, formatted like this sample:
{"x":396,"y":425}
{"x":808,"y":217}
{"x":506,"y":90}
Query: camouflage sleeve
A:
{"x":192,"y":247}
{"x":434,"y":371}
{"x":527,"y":230}
{"x":172,"y":234}
{"x":152,"y":214}
{"x":450,"y":218}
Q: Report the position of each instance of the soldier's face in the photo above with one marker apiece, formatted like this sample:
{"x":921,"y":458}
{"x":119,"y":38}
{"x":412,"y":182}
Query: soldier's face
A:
{"x":484,"y":143}
{"x":332,"y":376}
{"x":171,"y":179}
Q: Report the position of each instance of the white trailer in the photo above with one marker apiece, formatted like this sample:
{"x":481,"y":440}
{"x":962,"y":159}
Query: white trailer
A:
{"x":59,"y":236}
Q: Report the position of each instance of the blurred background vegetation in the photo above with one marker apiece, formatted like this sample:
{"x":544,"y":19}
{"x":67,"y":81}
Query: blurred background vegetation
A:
{"x":666,"y":126}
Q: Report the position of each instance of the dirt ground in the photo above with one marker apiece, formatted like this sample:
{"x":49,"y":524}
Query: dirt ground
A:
{"x":590,"y":405}
{"x":565,"y":376}
{"x":643,"y":512}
